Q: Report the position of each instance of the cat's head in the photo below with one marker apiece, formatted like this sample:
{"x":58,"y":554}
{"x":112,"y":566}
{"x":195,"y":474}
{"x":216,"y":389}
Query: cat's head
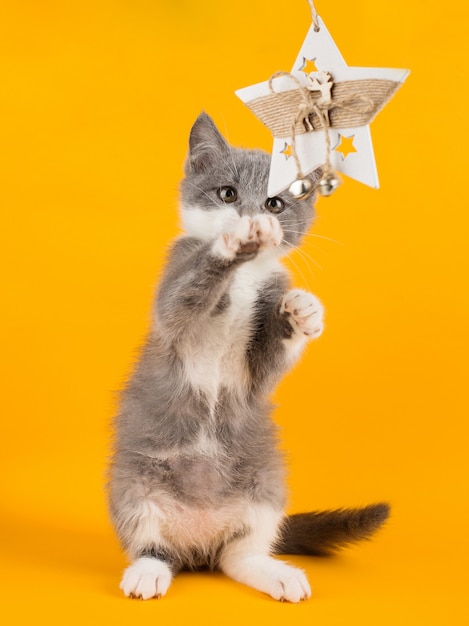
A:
{"x":222,"y":183}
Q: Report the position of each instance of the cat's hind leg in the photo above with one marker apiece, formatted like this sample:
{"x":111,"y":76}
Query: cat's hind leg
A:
{"x":152,"y":569}
{"x":247,"y":560}
{"x":145,"y":578}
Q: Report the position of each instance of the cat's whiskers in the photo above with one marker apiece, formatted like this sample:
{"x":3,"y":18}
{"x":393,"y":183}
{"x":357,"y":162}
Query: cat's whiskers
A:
{"x":306,"y":255}
{"x":302,"y":235}
{"x":301,"y":252}
{"x":298,"y":269}
{"x":300,"y":224}
{"x":339,"y":243}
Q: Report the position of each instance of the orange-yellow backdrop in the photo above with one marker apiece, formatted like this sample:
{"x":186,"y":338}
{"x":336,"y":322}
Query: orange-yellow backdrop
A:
{"x":96,"y":101}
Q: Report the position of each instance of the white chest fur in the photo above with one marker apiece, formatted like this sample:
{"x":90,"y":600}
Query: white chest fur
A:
{"x":218,"y":356}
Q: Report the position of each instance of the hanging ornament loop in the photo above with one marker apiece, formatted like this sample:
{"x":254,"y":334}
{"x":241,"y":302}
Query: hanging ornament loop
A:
{"x":302,"y":114}
{"x":314,"y":16}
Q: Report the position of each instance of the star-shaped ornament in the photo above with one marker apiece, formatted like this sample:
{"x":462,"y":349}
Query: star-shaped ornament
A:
{"x":320,"y":112}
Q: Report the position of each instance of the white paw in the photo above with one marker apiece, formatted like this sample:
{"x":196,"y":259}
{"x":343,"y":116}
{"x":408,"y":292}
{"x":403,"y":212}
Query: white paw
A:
{"x":305,"y":311}
{"x":146,"y":578}
{"x":287,"y":583}
{"x":276,"y":578}
{"x":247,"y":236}
{"x":267,"y":231}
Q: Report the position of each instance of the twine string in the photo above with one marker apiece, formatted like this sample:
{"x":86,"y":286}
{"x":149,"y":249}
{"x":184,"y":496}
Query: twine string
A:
{"x":322,"y":113}
{"x":314,"y":16}
{"x":308,"y":106}
{"x":302,"y":113}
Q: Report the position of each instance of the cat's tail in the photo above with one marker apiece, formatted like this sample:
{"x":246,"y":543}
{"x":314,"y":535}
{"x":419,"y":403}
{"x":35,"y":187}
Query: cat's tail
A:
{"x":323,"y":533}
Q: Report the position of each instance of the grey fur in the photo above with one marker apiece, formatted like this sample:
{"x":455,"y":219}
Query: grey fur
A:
{"x":163,"y":415}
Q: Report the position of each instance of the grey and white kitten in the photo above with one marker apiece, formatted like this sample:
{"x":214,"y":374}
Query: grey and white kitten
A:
{"x":196,"y":478}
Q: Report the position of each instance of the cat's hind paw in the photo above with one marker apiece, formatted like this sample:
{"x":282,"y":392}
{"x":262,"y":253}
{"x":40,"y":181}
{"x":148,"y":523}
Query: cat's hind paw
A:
{"x":278,"y":579}
{"x":304,"y":311}
{"x":286,"y":583}
{"x":146,"y":578}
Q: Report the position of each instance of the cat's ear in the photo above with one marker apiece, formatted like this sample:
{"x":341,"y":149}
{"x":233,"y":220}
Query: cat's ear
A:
{"x":206,"y":145}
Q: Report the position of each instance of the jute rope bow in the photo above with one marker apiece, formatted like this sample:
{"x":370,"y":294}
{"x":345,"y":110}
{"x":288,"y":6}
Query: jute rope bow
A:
{"x":313,"y":113}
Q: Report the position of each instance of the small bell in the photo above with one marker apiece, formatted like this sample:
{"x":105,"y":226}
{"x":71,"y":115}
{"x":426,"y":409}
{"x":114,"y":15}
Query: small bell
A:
{"x":301,"y":188}
{"x":328,"y":184}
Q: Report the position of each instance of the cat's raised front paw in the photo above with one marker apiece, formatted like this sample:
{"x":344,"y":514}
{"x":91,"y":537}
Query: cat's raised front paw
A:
{"x":304,"y":311}
{"x":146,"y":578}
{"x":248,"y":236}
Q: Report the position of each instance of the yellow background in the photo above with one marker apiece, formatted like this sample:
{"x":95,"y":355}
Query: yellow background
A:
{"x":96,"y":102}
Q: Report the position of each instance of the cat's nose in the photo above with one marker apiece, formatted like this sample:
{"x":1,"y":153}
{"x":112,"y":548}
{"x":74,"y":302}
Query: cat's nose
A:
{"x":250,"y":210}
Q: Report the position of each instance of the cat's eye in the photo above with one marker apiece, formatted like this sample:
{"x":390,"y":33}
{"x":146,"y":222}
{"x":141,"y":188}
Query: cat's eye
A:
{"x":227,"y":194}
{"x":274,"y":205}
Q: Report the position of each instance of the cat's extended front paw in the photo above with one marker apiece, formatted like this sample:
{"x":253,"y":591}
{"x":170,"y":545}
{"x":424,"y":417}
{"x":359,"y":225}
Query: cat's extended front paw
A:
{"x":267,"y":231}
{"x":247,"y":236}
{"x":304,"y":311}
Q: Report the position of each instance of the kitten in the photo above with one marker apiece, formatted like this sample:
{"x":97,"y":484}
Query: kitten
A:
{"x":196,"y":478}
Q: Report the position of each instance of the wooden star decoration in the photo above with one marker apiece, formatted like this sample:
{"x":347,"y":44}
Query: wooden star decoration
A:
{"x":358,"y":94}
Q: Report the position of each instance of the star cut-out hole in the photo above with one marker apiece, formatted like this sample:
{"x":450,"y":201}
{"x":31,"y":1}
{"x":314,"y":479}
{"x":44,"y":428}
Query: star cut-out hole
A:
{"x":345,"y":146}
{"x":287,"y":151}
{"x":309,"y":66}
